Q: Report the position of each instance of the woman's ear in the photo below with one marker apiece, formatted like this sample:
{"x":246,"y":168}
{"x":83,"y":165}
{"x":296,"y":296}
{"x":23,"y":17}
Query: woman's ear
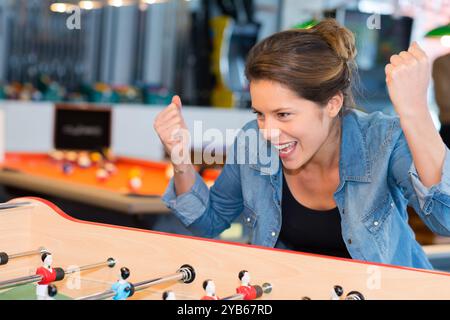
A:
{"x":334,"y":105}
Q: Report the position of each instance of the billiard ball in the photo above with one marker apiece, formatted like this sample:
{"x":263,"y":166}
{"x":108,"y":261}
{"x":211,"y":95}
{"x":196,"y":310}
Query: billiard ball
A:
{"x":96,"y":157}
{"x":109,"y":155}
{"x":71,"y":156}
{"x":102,"y":174}
{"x":110,"y":167}
{"x":83,"y":160}
{"x":57,"y":155}
{"x":67,"y":168}
{"x":135,"y":183}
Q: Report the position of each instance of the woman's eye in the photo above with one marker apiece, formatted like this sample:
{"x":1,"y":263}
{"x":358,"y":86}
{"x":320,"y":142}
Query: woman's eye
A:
{"x":283,"y":115}
{"x":258,"y":114}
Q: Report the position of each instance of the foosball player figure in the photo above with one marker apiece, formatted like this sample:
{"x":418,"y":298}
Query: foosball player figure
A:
{"x":168,"y":295}
{"x":48,"y":274}
{"x":337,"y":293}
{"x":210,"y":289}
{"x":248,"y":291}
{"x":122,"y":287}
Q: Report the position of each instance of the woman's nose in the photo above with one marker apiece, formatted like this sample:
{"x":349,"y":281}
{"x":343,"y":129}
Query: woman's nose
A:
{"x":271,"y":133}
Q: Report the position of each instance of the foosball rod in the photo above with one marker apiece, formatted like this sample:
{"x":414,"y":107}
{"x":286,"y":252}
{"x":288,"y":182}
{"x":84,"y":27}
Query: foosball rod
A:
{"x":12,"y":205}
{"x":260,"y":290}
{"x":5,"y":257}
{"x":185,"y":274}
{"x":60,"y":274}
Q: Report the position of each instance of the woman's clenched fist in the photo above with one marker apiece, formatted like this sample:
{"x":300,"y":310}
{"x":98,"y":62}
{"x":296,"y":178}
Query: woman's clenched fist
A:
{"x":173,"y":133}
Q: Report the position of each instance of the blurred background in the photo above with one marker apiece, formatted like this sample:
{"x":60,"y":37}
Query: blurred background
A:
{"x":144,"y":51}
{"x":132,"y":56}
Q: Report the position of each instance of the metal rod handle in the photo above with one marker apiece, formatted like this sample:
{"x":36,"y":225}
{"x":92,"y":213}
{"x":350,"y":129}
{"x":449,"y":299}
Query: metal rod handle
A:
{"x":186,"y":274}
{"x":40,"y":250}
{"x":19,"y":281}
{"x":5,"y":258}
{"x":7,"y":205}
{"x":108,"y":263}
{"x":37,"y":278}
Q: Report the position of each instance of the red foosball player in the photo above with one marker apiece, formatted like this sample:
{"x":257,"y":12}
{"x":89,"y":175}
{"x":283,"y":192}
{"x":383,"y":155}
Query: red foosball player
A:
{"x":48,"y":274}
{"x":210,"y":289}
{"x":248,"y":291}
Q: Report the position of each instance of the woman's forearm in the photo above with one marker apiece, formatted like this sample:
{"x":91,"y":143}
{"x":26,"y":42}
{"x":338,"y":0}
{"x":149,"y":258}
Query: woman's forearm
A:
{"x":427,"y":148}
{"x":407,"y":79}
{"x":184,"y":178}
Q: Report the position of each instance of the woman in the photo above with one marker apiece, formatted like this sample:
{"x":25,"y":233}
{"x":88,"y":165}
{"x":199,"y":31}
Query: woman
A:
{"x":346,"y":176}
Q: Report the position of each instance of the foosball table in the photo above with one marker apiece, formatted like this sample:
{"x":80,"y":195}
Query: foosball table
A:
{"x":46,"y":254}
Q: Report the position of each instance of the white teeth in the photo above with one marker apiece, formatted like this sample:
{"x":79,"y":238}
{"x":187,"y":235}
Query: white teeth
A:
{"x":284,"y":146}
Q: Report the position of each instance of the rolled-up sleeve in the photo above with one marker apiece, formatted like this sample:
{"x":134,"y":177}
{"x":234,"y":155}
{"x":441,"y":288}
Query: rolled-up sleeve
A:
{"x":189,"y":206}
{"x":432,"y":204}
{"x":208,"y":212}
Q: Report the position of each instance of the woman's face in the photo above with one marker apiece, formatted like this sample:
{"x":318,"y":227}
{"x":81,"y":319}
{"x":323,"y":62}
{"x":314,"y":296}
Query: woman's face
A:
{"x":297,"y":127}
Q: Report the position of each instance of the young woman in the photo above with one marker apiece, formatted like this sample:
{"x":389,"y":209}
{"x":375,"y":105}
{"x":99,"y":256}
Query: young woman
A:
{"x":346,"y":176}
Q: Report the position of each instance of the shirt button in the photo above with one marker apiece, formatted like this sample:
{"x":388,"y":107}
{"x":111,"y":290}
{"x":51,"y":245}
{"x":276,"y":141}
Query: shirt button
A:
{"x":392,"y":204}
{"x":375,"y":223}
{"x":273,"y":234}
{"x":349,"y":241}
{"x":248,"y":219}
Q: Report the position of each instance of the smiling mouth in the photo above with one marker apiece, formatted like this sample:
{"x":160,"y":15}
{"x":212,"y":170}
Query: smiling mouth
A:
{"x":285,"y":148}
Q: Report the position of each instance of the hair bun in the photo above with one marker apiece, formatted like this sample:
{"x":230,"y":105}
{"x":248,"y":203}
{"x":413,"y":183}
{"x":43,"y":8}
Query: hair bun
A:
{"x":339,"y":38}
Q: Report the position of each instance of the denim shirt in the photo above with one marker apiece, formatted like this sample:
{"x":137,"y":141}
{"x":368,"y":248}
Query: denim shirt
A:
{"x":378,"y":180}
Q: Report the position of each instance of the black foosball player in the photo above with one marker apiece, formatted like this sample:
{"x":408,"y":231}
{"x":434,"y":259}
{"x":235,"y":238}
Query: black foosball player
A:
{"x":210,"y":290}
{"x":337,"y":292}
{"x":169,"y":295}
{"x":310,"y":151}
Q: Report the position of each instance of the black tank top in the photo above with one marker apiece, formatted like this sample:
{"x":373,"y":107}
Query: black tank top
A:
{"x":308,"y":230}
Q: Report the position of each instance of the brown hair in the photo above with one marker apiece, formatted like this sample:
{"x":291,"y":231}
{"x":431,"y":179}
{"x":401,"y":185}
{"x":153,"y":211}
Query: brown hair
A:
{"x":315,"y":63}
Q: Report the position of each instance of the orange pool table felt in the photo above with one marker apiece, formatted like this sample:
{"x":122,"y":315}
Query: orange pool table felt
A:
{"x":38,"y":172}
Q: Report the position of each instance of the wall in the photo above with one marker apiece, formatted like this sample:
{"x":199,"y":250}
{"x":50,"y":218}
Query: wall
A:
{"x":29,"y":126}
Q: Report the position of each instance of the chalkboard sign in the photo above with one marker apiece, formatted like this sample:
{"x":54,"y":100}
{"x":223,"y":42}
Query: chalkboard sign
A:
{"x":82,"y":127}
